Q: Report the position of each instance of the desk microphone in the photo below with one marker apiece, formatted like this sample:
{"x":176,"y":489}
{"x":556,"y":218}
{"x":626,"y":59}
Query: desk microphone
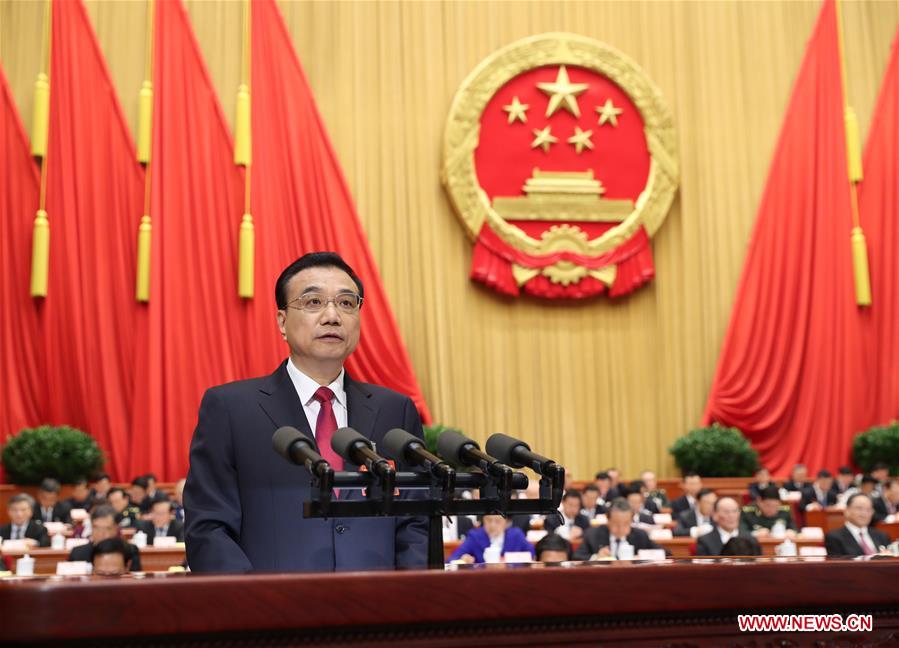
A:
{"x":296,"y":447}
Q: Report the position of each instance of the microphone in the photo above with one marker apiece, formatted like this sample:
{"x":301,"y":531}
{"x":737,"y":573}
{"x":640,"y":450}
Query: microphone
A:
{"x":459,"y":449}
{"x":296,"y":447}
{"x":356,"y":449}
{"x":405,"y":447}
{"x":518,"y":454}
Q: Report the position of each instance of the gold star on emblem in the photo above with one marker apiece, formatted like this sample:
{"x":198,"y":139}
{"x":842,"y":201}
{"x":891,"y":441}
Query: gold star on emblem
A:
{"x":544,"y":139}
{"x":562,"y":93}
{"x":581,"y":140}
{"x":608,"y":113}
{"x":516,"y":110}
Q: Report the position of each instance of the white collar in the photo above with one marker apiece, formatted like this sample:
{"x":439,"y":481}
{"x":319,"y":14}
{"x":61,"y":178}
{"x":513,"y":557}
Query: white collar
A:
{"x":306,"y":386}
{"x":856,"y":531}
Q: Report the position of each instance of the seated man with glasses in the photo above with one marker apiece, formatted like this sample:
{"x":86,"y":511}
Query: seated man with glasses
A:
{"x":243,"y":503}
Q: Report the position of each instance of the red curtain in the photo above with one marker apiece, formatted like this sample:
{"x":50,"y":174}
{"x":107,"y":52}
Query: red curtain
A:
{"x":789,"y":374}
{"x":94,"y":198}
{"x":879,"y":206}
{"x":20,"y":368}
{"x":188,"y":333}
{"x":301,"y":203}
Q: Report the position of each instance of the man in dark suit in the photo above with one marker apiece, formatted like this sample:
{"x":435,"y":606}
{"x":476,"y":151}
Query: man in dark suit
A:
{"x":633,"y":493}
{"x":162,"y":523}
{"x":820,"y":495}
{"x":81,"y":496}
{"x":656,"y":498}
{"x":104,"y":527}
{"x":243,"y":503}
{"x":127,"y":514}
{"x":691,"y":485}
{"x":22,"y":526}
{"x":606,"y":541}
{"x":856,"y":537}
{"x":49,"y":508}
{"x":845,"y":480}
{"x":768,"y":516}
{"x":762,"y":481}
{"x":798,"y":480}
{"x":726,"y":516}
{"x":698,"y":521}
{"x":570,"y":523}
{"x":891,"y":498}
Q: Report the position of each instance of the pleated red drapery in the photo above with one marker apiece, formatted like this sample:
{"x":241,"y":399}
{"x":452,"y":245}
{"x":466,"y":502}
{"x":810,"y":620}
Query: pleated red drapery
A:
{"x":301,"y":203}
{"x":188,"y":334}
{"x":20,"y":366}
{"x":879,"y":206}
{"x":789,"y":374}
{"x":94,"y":202}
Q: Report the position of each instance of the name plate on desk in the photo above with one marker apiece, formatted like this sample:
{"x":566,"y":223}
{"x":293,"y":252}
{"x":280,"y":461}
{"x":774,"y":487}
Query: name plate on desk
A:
{"x":660,"y":534}
{"x":15,"y":546}
{"x":812,"y":533}
{"x":74,"y":568}
{"x":652,"y":554}
{"x":661,"y":518}
{"x":518,"y":557}
{"x":55,"y":527}
{"x":164,"y":541}
{"x":71,"y":543}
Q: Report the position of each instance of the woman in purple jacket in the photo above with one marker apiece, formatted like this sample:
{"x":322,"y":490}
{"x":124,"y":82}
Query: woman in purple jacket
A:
{"x":495,"y":531}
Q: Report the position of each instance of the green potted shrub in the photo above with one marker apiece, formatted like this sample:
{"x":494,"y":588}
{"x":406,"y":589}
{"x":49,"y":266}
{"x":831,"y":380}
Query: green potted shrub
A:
{"x":878,"y":444}
{"x":61,"y":452}
{"x":715,"y":451}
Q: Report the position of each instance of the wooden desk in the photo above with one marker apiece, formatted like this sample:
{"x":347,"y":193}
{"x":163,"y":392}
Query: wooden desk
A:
{"x":581,"y":605}
{"x":151,"y":558}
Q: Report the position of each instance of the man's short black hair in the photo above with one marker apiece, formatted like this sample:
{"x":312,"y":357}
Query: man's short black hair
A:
{"x":151,"y":476}
{"x":637,"y":485}
{"x":117,"y":489}
{"x":313,"y":260}
{"x":601,"y":475}
{"x":102,"y":511}
{"x":140,"y":482}
{"x":738,"y":546}
{"x":50,"y":485}
{"x":690,"y":474}
{"x":101,"y":476}
{"x":81,"y":481}
{"x":161,"y":501}
{"x":111,"y":546}
{"x":553,"y":542}
{"x":846,"y":470}
{"x":824,"y":474}
{"x":703,"y":492}
{"x":869,"y":479}
{"x":591,"y":487}
{"x":770,"y":493}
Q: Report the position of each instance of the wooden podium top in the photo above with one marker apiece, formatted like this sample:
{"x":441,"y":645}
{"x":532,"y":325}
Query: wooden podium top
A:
{"x":677,"y":598}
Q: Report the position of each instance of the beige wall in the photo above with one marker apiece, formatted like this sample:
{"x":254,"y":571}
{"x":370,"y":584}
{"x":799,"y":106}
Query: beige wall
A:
{"x":595,"y":383}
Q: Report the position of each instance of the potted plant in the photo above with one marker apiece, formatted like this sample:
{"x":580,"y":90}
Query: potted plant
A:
{"x":879,"y":444}
{"x":715,"y":451}
{"x":61,"y":452}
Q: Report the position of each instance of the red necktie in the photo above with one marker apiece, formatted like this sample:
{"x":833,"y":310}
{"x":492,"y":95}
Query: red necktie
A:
{"x":866,"y":548}
{"x":325,"y":427}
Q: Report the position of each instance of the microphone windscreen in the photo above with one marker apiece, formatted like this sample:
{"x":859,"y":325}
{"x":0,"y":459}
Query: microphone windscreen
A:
{"x":501,"y":446}
{"x":344,"y":439}
{"x":450,"y":444}
{"x":283,"y":438}
{"x":395,"y":442}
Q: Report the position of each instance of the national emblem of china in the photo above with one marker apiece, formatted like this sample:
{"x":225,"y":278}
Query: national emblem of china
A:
{"x":559,"y":157}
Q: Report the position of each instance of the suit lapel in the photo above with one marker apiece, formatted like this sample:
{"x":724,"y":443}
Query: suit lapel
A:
{"x":361,"y":416}
{"x":279,"y":400}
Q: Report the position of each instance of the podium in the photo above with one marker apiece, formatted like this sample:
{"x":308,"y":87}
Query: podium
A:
{"x":586,"y":604}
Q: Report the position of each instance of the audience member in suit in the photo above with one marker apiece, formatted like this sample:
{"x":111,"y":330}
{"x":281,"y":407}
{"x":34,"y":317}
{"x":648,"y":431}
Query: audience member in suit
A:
{"x":110,"y":557}
{"x":140,"y":495}
{"x":570,"y":523}
{"x":22,"y":526}
{"x":726,"y":515}
{"x":891,"y":498}
{"x":698,"y":521}
{"x":615,"y":482}
{"x":798,"y":480}
{"x":691,"y":485}
{"x":127,"y":515}
{"x":494,"y":532}
{"x":762,"y":481}
{"x":881,"y":472}
{"x":856,"y":537}
{"x":741,"y":546}
{"x":100,"y":489}
{"x":606,"y":541}
{"x":868,"y":487}
{"x":553,"y":548}
{"x":104,"y":527}
{"x":845,"y":480}
{"x":603,"y":482}
{"x":633,"y":493}
{"x":162,"y":523}
{"x":655,"y":495}
{"x":178,"y":500}
{"x":820,"y":495}
{"x":761,"y":519}
{"x":81,"y":496}
{"x":590,"y":506}
{"x":49,"y":508}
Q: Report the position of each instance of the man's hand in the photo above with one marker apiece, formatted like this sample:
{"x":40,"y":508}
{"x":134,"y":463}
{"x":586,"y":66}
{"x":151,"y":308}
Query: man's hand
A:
{"x":761,"y":533}
{"x":467,"y":558}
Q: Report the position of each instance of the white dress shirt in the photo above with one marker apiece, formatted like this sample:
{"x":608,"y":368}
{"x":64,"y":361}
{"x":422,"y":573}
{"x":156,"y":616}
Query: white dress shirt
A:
{"x":727,"y":535}
{"x":306,"y":388}
{"x":862,"y":532}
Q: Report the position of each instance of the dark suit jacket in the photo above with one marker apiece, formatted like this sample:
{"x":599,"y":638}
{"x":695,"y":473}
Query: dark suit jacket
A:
{"x":243,"y":503}
{"x":175,"y":529}
{"x":147,"y":503}
{"x":809,"y":497}
{"x":679,"y":505}
{"x":85,"y":552}
{"x":880,"y":510}
{"x":685,"y":522}
{"x":60,"y":513}
{"x":554,"y":521}
{"x":841,"y":542}
{"x":790,"y":485}
{"x":755,"y":489}
{"x":598,"y":537}
{"x":710,"y":544}
{"x":34,"y":530}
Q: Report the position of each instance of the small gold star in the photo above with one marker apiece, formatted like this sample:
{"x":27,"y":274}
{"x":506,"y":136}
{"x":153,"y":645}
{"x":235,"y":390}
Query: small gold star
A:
{"x":581,"y":140}
{"x":608,"y":113}
{"x":562,"y":93}
{"x":544,"y":139}
{"x":516,"y":110}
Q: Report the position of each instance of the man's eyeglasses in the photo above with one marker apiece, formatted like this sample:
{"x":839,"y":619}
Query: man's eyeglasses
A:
{"x":348,"y":303}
